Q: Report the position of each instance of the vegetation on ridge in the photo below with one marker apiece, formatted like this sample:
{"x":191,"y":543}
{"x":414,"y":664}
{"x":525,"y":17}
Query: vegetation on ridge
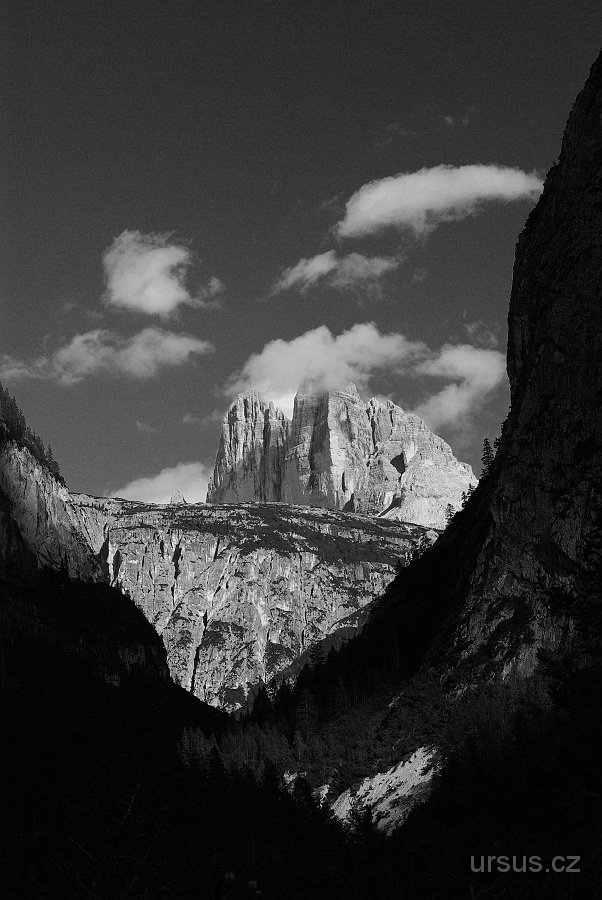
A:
{"x":14,"y":427}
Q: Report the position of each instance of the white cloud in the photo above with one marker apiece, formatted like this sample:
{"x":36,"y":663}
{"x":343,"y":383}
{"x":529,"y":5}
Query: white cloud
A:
{"x":341,"y":272}
{"x":420,"y":201}
{"x":277,"y":371}
{"x":146,"y":273}
{"x":145,"y":427}
{"x":101,"y":352}
{"x":189,"y":478}
{"x":472,"y":372}
{"x":469,"y":373}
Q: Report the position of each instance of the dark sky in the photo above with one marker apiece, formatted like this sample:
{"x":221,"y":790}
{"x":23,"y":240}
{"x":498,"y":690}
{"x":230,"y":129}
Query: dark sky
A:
{"x":231,"y":135}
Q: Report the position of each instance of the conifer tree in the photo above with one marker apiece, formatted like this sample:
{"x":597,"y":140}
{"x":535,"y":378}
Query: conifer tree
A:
{"x":487,"y":457}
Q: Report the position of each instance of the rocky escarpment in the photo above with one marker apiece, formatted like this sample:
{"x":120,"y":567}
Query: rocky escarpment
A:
{"x":250,"y":460}
{"x":43,"y":524}
{"x":541,"y":504}
{"x":338,"y":453}
{"x":238,"y":593}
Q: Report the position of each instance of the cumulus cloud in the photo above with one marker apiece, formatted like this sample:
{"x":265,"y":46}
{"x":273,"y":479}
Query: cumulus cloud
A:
{"x":189,"y":478}
{"x":146,"y":273}
{"x":472,"y":372}
{"x":340,"y":272}
{"x":102,"y":352}
{"x":469,"y":373}
{"x":420,"y":201}
{"x":354,"y":355}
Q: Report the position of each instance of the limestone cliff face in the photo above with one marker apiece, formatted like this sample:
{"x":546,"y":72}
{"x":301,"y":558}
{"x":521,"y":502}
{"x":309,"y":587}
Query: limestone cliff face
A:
{"x":249,"y":459}
{"x":339,"y":453}
{"x":541,"y":506}
{"x":41,"y":511}
{"x":43,"y":524}
{"x":238,"y":593}
{"x":330,"y":442}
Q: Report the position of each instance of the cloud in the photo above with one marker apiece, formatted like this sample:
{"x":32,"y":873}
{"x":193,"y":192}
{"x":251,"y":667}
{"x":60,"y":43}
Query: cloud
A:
{"x":392,"y":132}
{"x":464,"y":119}
{"x":101,"y":352}
{"x":400,"y":130}
{"x":277,"y":371}
{"x":472,"y":372}
{"x":189,"y":478}
{"x":146,"y":273}
{"x":360,"y":353}
{"x":420,"y":201}
{"x":146,"y":428}
{"x":341,"y":272}
{"x":480,"y":333}
{"x":189,"y":419}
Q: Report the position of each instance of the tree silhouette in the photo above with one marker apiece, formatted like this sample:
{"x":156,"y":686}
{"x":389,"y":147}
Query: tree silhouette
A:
{"x":487,"y":457}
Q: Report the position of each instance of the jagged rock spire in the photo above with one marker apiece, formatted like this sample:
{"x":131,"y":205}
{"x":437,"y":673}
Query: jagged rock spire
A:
{"x":337,"y":453}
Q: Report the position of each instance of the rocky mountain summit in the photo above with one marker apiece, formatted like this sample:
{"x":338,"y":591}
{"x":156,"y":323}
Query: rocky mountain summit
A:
{"x":338,"y":453}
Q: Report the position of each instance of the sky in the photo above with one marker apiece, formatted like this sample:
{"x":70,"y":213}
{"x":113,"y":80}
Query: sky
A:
{"x":200,"y":198}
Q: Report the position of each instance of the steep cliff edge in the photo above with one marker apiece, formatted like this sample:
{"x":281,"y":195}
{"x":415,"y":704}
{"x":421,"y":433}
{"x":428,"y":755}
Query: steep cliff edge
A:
{"x":238,"y":593}
{"x":541,"y":501}
{"x":250,"y":456}
{"x":42,"y":524}
{"x":338,"y":453}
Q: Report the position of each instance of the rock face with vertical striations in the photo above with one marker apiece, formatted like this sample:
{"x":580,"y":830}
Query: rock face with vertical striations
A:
{"x":45,"y":522}
{"x":239,"y":593}
{"x":249,"y":459}
{"x":339,"y":453}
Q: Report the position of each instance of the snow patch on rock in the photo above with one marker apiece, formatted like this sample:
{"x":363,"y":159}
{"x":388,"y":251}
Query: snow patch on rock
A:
{"x":392,"y":794}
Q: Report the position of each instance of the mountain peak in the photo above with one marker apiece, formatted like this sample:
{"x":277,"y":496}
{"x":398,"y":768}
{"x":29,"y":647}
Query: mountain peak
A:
{"x":340,"y":453}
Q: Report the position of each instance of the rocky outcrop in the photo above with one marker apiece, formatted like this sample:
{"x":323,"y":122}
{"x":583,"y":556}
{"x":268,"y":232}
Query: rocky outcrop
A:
{"x":250,"y":455}
{"x":338,"y":453}
{"x":48,"y":521}
{"x":238,"y":593}
{"x":43,"y":524}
